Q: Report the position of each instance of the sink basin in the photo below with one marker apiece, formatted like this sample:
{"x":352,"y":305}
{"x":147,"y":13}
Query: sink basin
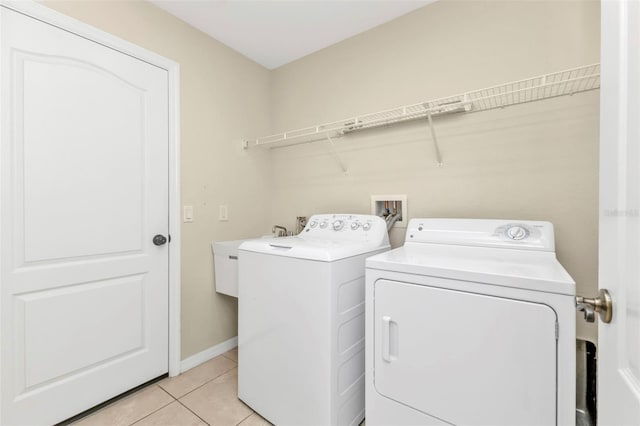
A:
{"x":225,"y":266}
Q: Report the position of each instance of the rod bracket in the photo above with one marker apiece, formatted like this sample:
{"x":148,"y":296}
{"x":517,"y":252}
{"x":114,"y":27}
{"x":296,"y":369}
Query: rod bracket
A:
{"x":435,"y":141}
{"x":336,"y":156}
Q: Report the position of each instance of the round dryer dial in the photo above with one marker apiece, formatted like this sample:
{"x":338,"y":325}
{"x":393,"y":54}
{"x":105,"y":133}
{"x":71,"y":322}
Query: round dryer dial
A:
{"x":355,"y":225}
{"x":366,"y":226}
{"x":338,"y":224}
{"x":324,"y":224}
{"x":517,"y":232}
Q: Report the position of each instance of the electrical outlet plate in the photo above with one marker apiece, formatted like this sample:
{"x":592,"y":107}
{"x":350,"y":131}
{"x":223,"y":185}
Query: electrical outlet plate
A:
{"x":378,"y":203}
{"x":187,"y":214}
{"x":223,"y":213}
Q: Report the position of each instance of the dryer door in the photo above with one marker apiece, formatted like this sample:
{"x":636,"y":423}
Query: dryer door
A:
{"x":465,"y":358}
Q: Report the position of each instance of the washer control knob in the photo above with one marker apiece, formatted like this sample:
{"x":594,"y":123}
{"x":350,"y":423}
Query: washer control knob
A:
{"x":355,"y":225}
{"x":338,"y":225}
{"x":324,"y":224}
{"x":517,"y":233}
{"x":366,"y":226}
{"x":313,"y":223}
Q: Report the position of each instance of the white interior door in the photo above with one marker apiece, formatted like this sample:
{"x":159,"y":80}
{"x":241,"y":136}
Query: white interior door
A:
{"x":84,"y":188}
{"x":619,"y":341}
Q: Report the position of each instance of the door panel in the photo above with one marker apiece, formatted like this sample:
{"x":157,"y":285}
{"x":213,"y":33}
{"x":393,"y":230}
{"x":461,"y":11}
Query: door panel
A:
{"x":94,"y":331}
{"x":76,"y":167}
{"x":619,"y":269}
{"x":465,"y":358}
{"x":84,"y":180}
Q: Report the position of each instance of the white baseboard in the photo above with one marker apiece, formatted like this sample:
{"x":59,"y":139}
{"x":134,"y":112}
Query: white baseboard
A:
{"x":207,"y":354}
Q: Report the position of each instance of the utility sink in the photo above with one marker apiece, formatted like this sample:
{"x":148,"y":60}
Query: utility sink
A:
{"x":225,"y":264}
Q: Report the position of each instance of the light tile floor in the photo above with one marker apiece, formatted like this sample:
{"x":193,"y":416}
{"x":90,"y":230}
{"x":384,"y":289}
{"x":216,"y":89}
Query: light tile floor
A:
{"x":204,"y":395}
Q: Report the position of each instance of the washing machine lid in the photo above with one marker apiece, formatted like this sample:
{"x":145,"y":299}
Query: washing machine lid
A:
{"x":525,"y":269}
{"x":320,"y":250}
{"x":327,"y":238}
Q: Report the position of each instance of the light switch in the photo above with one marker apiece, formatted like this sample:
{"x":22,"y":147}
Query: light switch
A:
{"x":188,"y":214}
{"x":224,"y":213}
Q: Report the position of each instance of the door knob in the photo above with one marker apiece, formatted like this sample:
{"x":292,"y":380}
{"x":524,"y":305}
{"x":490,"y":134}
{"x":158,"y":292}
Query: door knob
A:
{"x":601,"y":305}
{"x":159,"y":240}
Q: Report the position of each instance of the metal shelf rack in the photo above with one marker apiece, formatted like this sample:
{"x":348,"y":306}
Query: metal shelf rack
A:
{"x":561,"y":83}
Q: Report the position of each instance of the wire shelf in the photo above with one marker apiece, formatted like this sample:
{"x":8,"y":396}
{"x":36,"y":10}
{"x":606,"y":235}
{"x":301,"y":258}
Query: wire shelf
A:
{"x":567,"y":82}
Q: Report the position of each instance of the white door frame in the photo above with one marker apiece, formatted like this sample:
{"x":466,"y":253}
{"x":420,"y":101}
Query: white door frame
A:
{"x":49,"y":16}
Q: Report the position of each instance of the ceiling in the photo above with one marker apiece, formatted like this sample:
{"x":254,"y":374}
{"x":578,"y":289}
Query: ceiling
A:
{"x":274,"y":33}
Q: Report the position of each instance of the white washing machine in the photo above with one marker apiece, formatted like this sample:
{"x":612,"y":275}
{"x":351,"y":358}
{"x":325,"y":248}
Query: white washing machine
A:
{"x":471,"y":322}
{"x":301,"y":321}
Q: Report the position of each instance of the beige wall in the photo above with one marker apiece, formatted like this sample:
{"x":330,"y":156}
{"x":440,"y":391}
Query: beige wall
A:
{"x":537,"y":161}
{"x":224,"y":98}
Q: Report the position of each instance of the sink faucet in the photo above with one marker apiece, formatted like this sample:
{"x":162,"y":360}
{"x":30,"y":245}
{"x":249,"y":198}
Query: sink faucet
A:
{"x":282,"y":231}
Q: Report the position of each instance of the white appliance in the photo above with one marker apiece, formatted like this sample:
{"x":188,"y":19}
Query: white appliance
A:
{"x":470,"y":322}
{"x":301,"y":321}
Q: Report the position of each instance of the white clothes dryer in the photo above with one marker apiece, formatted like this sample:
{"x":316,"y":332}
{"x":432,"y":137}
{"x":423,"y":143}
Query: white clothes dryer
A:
{"x":471,"y":322}
{"x":301,"y":321}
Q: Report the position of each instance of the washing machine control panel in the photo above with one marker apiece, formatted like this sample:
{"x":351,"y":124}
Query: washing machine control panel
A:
{"x":517,"y":232}
{"x":530,"y":235}
{"x":344,"y":227}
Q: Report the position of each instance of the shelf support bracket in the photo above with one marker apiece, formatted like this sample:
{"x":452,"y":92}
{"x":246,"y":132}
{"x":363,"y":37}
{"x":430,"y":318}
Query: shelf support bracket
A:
{"x":435,"y":140}
{"x":335,"y":154}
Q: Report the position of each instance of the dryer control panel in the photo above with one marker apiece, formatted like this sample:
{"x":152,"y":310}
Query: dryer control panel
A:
{"x":514,"y":234}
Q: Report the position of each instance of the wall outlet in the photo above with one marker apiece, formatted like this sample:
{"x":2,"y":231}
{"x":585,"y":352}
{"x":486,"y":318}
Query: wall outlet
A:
{"x":224,"y":213}
{"x":187,"y":214}
{"x":383,"y":205}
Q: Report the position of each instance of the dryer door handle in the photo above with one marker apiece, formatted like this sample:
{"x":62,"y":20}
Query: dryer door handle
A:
{"x":386,"y":338}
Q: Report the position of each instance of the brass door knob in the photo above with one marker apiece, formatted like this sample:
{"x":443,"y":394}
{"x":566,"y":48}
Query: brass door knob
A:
{"x":601,"y":305}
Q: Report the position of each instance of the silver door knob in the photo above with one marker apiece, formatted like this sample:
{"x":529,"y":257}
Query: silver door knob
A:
{"x":159,"y":240}
{"x":601,"y":305}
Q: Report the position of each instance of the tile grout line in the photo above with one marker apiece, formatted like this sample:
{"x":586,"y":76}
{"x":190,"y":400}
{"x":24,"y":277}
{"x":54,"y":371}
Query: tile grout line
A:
{"x":155,"y":411}
{"x":210,"y":380}
{"x":234,"y":360}
{"x":252,"y":413}
{"x":192,"y":412}
{"x":177,"y":399}
{"x":163,"y":390}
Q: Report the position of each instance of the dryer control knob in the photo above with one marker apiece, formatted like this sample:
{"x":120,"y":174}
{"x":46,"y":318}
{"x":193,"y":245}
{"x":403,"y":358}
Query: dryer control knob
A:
{"x":323,"y":224}
{"x":366,"y":226}
{"x":313,"y":224}
{"x":517,"y":233}
{"x":338,"y":225}
{"x":355,"y":225}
